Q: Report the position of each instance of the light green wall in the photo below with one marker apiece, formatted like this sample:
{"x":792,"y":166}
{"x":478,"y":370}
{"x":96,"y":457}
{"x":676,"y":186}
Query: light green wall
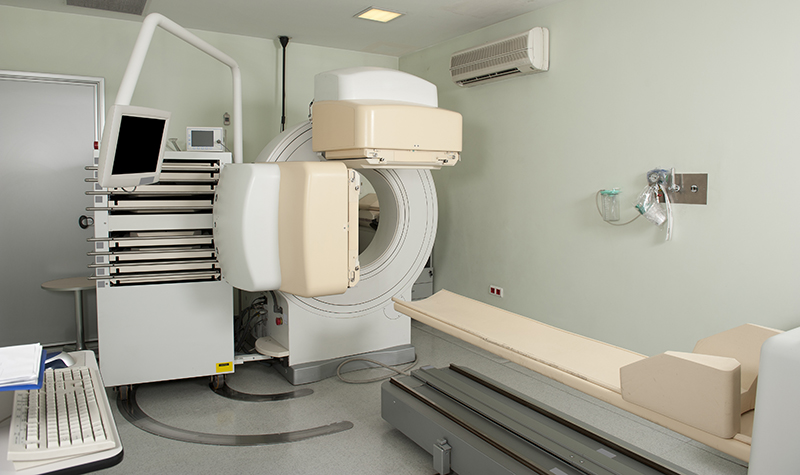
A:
{"x":176,"y":76}
{"x":711,"y":86}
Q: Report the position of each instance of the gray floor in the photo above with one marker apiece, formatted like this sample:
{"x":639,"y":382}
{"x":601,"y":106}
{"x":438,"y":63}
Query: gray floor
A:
{"x":372,"y":446}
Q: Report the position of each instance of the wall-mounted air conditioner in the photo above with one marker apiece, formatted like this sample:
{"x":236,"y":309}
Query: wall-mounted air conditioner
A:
{"x":524,"y":53}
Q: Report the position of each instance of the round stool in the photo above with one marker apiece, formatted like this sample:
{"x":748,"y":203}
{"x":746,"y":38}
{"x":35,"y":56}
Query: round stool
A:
{"x":76,"y":285}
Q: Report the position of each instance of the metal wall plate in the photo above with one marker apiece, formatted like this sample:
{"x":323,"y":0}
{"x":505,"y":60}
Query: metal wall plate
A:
{"x":693,"y":189}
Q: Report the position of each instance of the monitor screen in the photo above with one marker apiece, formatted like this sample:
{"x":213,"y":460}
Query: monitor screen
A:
{"x":138,"y":145}
{"x":203,"y":138}
{"x":132,"y":147}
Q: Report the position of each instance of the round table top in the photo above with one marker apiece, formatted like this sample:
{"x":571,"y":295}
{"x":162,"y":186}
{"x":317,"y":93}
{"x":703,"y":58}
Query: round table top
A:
{"x":70,"y":284}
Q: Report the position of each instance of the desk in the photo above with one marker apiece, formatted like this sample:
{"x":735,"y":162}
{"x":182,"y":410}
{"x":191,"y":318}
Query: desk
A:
{"x":76,"y":285}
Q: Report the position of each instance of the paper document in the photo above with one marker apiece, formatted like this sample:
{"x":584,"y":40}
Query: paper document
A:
{"x":20,"y":364}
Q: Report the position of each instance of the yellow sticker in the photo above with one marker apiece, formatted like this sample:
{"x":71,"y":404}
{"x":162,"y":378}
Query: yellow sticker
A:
{"x":225,"y":367}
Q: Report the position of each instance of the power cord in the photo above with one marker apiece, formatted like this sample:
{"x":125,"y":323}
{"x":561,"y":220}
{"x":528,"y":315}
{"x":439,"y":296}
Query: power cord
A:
{"x":219,"y":142}
{"x":248,"y":319}
{"x":404,"y":371}
{"x":275,"y":307}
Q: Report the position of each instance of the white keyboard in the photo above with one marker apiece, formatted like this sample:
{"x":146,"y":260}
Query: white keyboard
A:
{"x":69,"y":416}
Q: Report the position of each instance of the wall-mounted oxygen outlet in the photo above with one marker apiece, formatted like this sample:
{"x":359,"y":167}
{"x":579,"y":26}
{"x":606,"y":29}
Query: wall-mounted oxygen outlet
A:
{"x":688,"y":188}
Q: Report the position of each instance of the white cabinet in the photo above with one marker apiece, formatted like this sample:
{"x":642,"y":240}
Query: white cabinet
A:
{"x":163,"y":311}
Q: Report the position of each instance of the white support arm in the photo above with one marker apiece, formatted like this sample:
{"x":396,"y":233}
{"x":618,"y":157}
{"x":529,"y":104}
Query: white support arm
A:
{"x":139,"y":53}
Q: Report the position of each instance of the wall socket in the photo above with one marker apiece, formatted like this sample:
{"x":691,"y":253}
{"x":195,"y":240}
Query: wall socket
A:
{"x":496,"y":291}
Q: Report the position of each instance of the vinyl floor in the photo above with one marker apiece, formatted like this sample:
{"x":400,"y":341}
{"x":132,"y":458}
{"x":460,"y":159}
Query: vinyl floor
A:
{"x":371,"y":446}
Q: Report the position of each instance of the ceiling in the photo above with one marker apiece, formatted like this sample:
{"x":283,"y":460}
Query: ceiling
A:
{"x":324,"y":22}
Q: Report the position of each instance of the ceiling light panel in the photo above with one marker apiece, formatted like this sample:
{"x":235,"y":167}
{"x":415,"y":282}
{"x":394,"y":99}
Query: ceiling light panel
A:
{"x":377,"y":14}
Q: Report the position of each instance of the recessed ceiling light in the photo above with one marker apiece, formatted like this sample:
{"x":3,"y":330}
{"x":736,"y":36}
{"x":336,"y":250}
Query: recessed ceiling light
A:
{"x":376,"y":14}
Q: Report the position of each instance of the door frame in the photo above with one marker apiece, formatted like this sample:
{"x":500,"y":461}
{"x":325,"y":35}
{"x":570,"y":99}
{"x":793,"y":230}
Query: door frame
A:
{"x":97,"y":83}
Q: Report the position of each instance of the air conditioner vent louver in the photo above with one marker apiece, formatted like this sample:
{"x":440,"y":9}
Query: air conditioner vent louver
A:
{"x":520,"y":54}
{"x":489,"y":63}
{"x":516,"y":44}
{"x":486,"y":77}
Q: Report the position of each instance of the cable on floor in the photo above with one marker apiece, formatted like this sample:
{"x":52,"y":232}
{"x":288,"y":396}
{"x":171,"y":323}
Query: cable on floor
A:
{"x":404,"y":371}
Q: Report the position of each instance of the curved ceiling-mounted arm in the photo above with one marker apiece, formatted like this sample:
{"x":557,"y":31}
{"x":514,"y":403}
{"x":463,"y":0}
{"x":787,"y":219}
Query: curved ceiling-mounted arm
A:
{"x":131,"y":77}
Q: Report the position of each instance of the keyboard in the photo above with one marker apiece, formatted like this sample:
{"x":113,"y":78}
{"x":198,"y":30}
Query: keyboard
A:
{"x":68,"y":417}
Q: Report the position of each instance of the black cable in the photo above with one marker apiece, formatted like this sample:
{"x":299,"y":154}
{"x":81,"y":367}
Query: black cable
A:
{"x":275,"y":307}
{"x":247,"y":320}
{"x":284,"y":41}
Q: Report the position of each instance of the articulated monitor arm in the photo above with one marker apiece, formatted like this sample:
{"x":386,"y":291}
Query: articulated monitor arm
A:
{"x":131,"y":77}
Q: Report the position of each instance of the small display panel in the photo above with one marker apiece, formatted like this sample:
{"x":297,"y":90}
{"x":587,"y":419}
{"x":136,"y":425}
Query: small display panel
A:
{"x":203,"y":138}
{"x":138,"y":145}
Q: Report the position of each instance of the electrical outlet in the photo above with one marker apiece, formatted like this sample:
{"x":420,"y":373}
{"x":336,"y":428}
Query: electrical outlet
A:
{"x":496,"y":291}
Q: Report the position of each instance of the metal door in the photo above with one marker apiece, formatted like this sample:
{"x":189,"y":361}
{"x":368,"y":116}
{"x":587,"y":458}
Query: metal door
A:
{"x":48,"y":125}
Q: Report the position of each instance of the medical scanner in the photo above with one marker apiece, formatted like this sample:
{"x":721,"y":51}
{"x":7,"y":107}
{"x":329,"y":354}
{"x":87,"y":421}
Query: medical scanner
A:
{"x":285,"y":224}
{"x":289,"y":222}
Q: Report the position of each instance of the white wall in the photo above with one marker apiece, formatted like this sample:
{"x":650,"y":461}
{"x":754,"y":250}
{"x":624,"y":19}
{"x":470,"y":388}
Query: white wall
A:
{"x":710,"y":86}
{"x":176,"y":76}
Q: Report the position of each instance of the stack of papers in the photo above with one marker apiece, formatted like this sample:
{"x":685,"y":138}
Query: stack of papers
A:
{"x":21,"y":366}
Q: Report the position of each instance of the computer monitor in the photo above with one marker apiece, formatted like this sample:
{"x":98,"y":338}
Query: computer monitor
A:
{"x":132,"y":147}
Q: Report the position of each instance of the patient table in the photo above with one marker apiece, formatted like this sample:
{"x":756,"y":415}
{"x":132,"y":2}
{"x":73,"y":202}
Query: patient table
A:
{"x":707,"y":395}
